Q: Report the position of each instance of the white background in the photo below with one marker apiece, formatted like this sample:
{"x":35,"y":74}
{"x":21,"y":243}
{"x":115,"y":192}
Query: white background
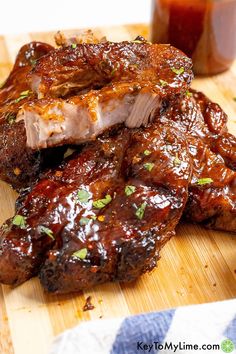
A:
{"x":18,"y":16}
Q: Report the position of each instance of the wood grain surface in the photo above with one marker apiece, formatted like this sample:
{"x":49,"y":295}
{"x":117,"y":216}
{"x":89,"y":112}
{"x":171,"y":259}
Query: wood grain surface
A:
{"x":197,"y":265}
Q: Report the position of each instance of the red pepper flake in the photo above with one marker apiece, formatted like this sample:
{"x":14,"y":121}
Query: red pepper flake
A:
{"x":88,"y":305}
{"x":136,"y":159}
{"x":94,"y":269}
{"x":58,"y":174}
{"x":17,"y":171}
{"x":101,"y":218}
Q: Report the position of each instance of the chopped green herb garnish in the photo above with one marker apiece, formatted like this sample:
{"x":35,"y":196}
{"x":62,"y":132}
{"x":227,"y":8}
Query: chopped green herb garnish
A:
{"x":83,"y":196}
{"x":20,"y":221}
{"x":178,"y":71}
{"x":19,"y":99}
{"x":81,"y":254}
{"x":129,"y":190}
{"x":140,"y":211}
{"x":163,"y":83}
{"x":203,"y":181}
{"x":5,"y":227}
{"x":133,"y":66}
{"x":177,"y":161}
{"x":33,"y":62}
{"x":10,"y":118}
{"x":148,"y":166}
{"x":68,"y":152}
{"x":84,"y":221}
{"x":101,"y":203}
{"x":113,"y":71}
{"x":147,"y":152}
{"x":73,"y":45}
{"x":47,"y":231}
{"x":23,"y":95}
{"x":93,"y":217}
{"x":189,"y":94}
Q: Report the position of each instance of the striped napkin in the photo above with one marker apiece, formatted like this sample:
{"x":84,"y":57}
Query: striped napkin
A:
{"x":208,"y":328}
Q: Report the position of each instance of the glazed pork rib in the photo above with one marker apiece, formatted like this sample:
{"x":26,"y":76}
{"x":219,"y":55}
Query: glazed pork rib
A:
{"x":54,"y":122}
{"x":212,"y":191}
{"x":103,"y":215}
{"x":133,"y":82}
{"x":93,"y":66}
{"x":19,"y":165}
{"x":219,"y":139}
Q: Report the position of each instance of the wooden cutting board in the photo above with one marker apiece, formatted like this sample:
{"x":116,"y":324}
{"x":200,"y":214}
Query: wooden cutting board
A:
{"x":197,"y":265}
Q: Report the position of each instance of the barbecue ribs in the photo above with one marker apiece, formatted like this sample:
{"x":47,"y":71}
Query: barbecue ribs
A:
{"x":106,"y":211}
{"x":103,"y":215}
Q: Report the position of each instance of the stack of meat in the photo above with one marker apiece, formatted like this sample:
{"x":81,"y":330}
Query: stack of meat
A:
{"x":109,"y":148}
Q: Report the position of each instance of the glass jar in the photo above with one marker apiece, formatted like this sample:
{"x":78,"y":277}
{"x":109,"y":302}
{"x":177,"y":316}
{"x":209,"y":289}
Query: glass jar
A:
{"x":205,"y":30}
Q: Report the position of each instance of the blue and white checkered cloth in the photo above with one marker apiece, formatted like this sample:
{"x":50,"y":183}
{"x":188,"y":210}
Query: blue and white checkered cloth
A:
{"x":208,"y":328}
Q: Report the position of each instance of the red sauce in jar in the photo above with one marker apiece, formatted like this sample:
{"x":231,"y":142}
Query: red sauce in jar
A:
{"x":204,"y":29}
